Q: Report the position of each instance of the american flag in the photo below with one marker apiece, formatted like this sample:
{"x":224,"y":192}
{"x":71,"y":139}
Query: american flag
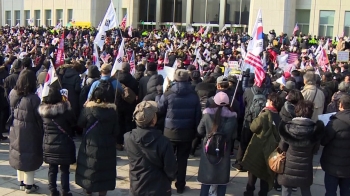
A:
{"x":123,"y":23}
{"x":255,"y":47}
{"x":132,"y":63}
{"x":105,"y":57}
{"x":296,"y":28}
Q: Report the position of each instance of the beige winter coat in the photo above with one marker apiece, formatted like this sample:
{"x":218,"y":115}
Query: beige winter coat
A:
{"x":311,"y":93}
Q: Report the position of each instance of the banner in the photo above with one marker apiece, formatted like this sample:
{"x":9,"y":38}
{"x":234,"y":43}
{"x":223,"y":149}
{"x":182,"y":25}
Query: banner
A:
{"x":60,"y":53}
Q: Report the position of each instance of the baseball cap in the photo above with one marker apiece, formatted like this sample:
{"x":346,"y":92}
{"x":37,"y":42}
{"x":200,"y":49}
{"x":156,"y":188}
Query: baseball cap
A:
{"x":221,"y":99}
{"x":221,"y":79}
{"x":144,"y":112}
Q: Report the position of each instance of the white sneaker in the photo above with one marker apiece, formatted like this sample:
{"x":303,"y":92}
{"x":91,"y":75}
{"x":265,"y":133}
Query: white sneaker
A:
{"x":22,"y":188}
{"x":33,"y":189}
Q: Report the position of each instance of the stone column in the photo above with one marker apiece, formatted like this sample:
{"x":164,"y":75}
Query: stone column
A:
{"x":222,"y":14}
{"x":159,"y":13}
{"x":189,"y":8}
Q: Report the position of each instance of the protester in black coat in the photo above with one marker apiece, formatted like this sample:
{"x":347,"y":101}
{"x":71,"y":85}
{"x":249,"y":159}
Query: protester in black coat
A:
{"x":125,"y":109}
{"x":10,"y":81}
{"x":152,"y":162}
{"x":72,"y":82}
{"x":151,"y":70}
{"x":96,"y":162}
{"x":205,"y":90}
{"x":154,"y":88}
{"x":336,"y":154}
{"x":300,"y":140}
{"x":59,"y":147}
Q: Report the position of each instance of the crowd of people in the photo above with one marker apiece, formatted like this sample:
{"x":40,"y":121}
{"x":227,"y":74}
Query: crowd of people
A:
{"x":205,"y":106}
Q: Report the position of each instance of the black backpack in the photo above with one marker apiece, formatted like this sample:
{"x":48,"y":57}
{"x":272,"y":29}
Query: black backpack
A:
{"x":84,"y":94}
{"x":258,"y":103}
{"x":216,"y":147}
{"x":108,"y":89}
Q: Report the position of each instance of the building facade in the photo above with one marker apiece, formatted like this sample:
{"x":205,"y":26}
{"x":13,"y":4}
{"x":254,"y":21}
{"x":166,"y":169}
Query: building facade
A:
{"x":315,"y":17}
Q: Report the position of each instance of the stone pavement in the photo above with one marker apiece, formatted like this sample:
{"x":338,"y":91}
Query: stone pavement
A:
{"x":10,"y":187}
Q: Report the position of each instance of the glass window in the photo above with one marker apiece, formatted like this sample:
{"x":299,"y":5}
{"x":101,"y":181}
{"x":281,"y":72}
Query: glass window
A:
{"x":347,"y":24}
{"x":147,"y":11}
{"x":37,"y":17}
{"x":48,"y":18}
{"x":176,"y":11}
{"x":17,"y":17}
{"x":59,"y":16}
{"x":8,"y":18}
{"x":27,"y":17}
{"x":302,"y":17}
{"x":206,"y":11}
{"x":326,"y":23}
{"x":198,"y":11}
{"x":237,"y":12}
{"x":70,"y":15}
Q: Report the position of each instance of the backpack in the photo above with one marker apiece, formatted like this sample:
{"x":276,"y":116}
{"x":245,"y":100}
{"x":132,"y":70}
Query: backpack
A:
{"x":108,"y":88}
{"x":128,"y":95}
{"x":84,"y":94}
{"x":333,"y":106}
{"x":259,"y":102}
{"x":215,"y":146}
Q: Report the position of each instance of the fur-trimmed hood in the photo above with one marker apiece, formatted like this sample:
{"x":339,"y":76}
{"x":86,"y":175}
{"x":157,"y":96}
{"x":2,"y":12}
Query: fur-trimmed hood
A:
{"x":91,"y":104}
{"x":52,"y":110}
{"x":302,"y":132}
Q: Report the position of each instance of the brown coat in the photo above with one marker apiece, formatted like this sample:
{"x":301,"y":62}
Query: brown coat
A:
{"x":312,"y":93}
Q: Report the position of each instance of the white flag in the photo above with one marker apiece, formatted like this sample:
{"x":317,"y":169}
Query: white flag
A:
{"x":51,"y":77}
{"x":206,"y":30}
{"x":243,"y":52}
{"x":109,"y":22}
{"x":119,"y":60}
{"x":175,"y":29}
{"x":130,"y":31}
{"x":169,"y":32}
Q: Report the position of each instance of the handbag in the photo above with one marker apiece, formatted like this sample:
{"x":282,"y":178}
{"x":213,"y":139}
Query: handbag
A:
{"x":277,"y":161}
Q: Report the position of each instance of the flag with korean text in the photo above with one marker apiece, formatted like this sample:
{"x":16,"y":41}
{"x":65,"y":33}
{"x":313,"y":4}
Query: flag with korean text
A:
{"x":119,"y":60}
{"x":109,"y":22}
{"x":60,"y":52}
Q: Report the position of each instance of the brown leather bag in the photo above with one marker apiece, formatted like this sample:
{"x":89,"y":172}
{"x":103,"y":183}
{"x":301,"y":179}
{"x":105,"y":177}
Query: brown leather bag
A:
{"x":277,"y":161}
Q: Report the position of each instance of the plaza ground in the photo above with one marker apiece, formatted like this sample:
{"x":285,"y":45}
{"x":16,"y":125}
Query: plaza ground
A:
{"x":9,"y":185}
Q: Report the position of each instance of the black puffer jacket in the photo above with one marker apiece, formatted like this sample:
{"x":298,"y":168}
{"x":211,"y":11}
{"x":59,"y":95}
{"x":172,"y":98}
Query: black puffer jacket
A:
{"x":152,"y":170}
{"x":59,"y":148}
{"x":72,"y":82}
{"x":152,"y":84}
{"x":26,"y":135}
{"x":299,"y":139}
{"x":205,"y":91}
{"x":96,"y":162}
{"x":335,"y":158}
{"x":143,"y":84}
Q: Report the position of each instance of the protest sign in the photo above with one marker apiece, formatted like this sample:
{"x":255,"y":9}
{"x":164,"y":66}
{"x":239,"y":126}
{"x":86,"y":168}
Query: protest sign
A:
{"x":343,"y":56}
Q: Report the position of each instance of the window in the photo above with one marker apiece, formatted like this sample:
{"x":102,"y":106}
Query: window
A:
{"x":302,"y":17}
{"x":17,"y":17}
{"x":147,"y":11}
{"x":206,"y":11}
{"x":237,"y":12}
{"x":37,"y":18}
{"x":59,"y":16}
{"x":175,"y":11}
{"x":326,"y":23}
{"x":347,"y":24}
{"x":70,"y":15}
{"x":27,"y":17}
{"x":8,"y":18}
{"x":48,"y":18}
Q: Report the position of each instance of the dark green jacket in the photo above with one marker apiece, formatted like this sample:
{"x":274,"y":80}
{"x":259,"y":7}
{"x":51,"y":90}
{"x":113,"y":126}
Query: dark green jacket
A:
{"x":263,"y":143}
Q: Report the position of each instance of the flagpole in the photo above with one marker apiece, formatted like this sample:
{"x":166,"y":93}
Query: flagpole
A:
{"x":234,"y":94}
